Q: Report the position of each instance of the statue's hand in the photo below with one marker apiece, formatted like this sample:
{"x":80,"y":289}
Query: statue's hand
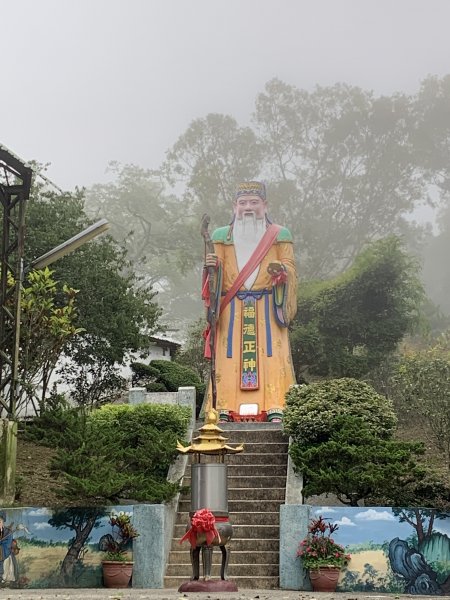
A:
{"x":278,"y":272}
{"x":275,"y":268}
{"x":211,"y":260}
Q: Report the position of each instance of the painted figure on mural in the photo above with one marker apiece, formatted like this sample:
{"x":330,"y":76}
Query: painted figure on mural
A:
{"x":8,"y":562}
{"x":257,"y":285}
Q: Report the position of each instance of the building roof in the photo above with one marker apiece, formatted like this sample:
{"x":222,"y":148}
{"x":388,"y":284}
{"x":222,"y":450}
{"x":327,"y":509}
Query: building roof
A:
{"x":163,"y":341}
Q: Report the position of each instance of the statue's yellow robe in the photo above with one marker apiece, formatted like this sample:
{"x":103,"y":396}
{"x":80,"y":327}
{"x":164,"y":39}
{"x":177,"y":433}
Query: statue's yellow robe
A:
{"x":276,"y":372}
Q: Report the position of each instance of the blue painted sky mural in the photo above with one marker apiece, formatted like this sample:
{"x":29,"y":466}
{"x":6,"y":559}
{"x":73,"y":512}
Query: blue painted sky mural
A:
{"x":36,"y":542}
{"x":356,"y":523}
{"x":393,"y":550}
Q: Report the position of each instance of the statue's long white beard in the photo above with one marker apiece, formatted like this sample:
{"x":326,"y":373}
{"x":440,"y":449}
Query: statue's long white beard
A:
{"x":247,"y":232}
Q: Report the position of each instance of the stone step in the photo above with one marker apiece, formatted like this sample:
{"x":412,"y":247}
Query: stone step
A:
{"x":246,"y":426}
{"x":265,"y":470}
{"x":237,"y":545}
{"x":259,"y":448}
{"x":249,"y":437}
{"x":249,"y":582}
{"x":253,"y":481}
{"x":240,"y":531}
{"x":264,"y":458}
{"x":235,"y":494}
{"x":235,"y":506}
{"x":256,"y":489}
{"x":258,"y":557}
{"x":257,"y":494}
{"x":233,"y":570}
{"x":241,"y":518}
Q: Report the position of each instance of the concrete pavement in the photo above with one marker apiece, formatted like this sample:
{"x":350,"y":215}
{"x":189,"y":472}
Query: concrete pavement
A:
{"x":141,"y":594}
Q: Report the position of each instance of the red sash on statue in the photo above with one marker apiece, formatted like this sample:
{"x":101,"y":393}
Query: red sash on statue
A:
{"x":253,"y":262}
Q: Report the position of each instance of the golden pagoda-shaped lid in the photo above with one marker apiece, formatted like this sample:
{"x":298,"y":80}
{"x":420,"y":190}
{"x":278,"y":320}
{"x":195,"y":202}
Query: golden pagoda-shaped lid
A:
{"x":210,"y":440}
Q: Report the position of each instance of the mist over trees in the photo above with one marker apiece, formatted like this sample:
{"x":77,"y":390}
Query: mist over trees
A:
{"x":343,"y":167}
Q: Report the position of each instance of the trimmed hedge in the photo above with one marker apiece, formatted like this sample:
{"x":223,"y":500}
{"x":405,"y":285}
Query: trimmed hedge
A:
{"x":123,"y":452}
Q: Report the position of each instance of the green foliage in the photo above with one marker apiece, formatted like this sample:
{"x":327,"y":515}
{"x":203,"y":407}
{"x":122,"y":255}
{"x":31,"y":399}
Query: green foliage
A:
{"x":168,"y":376}
{"x":142,"y":372}
{"x":421,"y":388}
{"x":93,"y":383}
{"x":48,"y":324}
{"x":123,"y":532}
{"x":52,"y":425}
{"x":145,"y":220}
{"x":344,"y":167}
{"x":312,"y":410}
{"x":346,"y":326}
{"x":430,"y":489}
{"x":192,"y":353}
{"x":174,"y":375}
{"x":342,"y":444}
{"x":131,"y":421}
{"x":355,"y":463}
{"x":116,"y":311}
{"x":155,"y":387}
{"x":122,"y":451}
{"x":319,"y":549}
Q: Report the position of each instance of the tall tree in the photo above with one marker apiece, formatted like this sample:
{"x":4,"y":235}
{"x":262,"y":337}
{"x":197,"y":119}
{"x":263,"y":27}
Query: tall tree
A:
{"x":210,"y":158}
{"x":162,"y":245}
{"x":346,"y":326}
{"x":340,"y":161}
{"x":421,"y":387}
{"x":116,"y":313}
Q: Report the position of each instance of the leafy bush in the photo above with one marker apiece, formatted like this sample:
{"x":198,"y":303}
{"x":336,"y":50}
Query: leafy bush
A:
{"x":347,"y":325}
{"x":156,"y":387}
{"x":51,"y":426}
{"x":311,"y":410}
{"x":143,"y":373}
{"x":168,"y":376}
{"x":174,"y":375}
{"x":318,"y":549}
{"x":355,"y":463}
{"x":122,"y":451}
{"x":420,"y":388}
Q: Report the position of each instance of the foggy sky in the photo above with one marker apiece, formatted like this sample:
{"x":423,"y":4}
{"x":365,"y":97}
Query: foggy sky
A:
{"x":84,"y":82}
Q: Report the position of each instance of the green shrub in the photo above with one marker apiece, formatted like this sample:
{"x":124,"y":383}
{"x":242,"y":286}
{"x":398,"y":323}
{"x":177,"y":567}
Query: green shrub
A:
{"x":355,"y":463}
{"x":311,"y":410}
{"x":51,"y":426}
{"x":156,"y":387}
{"x":122,"y":451}
{"x":143,"y":372}
{"x":173,"y":375}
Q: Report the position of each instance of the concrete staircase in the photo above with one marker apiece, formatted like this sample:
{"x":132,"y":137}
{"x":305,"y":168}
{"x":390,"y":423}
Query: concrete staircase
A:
{"x":256,"y":489}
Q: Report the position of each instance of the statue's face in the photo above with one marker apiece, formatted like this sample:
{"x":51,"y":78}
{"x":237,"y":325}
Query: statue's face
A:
{"x":250,"y":204}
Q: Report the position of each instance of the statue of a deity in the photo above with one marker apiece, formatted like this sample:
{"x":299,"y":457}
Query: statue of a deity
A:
{"x":250,"y":305}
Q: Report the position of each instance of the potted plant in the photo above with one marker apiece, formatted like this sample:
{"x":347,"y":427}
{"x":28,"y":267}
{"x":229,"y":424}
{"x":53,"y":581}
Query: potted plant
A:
{"x":322,"y":556}
{"x":117,"y":569}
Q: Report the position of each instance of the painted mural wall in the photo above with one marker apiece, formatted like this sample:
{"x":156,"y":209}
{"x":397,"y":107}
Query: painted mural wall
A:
{"x":393,"y":550}
{"x":45,"y":548}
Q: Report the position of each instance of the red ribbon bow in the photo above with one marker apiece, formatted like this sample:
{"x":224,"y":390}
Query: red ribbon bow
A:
{"x":202,"y":522}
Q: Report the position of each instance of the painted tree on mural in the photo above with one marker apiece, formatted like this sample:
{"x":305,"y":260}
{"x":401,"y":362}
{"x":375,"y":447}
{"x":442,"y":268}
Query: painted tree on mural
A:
{"x":421,"y":520}
{"x":82,"y":521}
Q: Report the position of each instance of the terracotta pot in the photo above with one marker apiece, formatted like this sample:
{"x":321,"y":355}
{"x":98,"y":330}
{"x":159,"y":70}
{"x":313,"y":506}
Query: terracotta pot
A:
{"x":324,"y":579}
{"x":117,"y":574}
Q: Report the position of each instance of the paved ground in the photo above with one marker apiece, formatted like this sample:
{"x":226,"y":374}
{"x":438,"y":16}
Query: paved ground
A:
{"x":135,"y":594}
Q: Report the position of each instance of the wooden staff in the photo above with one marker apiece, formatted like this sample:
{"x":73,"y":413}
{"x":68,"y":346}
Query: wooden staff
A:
{"x":212,"y":315}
